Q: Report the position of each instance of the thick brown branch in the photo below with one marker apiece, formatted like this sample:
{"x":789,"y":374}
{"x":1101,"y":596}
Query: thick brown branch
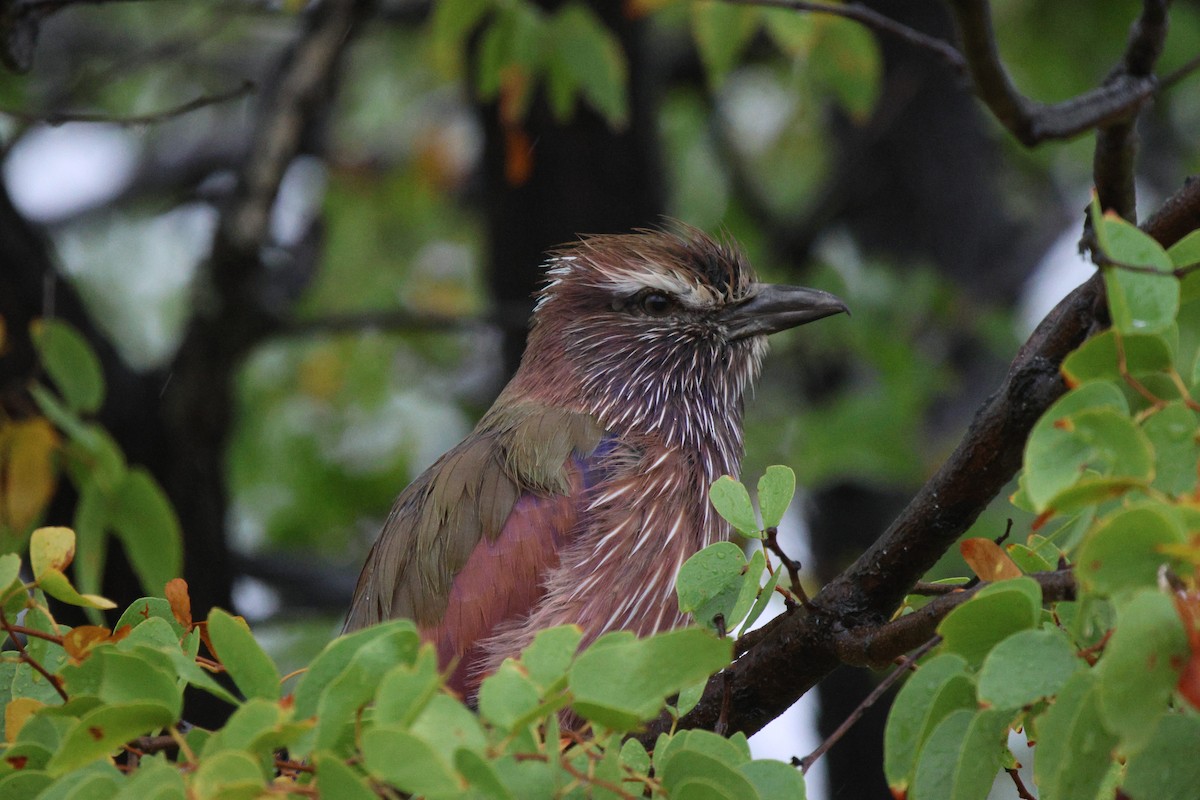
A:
{"x":878,"y":647}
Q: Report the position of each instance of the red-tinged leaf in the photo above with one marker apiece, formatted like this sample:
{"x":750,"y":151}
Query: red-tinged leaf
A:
{"x":181,"y":602}
{"x":1188,"y":607}
{"x":988,"y":561}
{"x":79,"y":642}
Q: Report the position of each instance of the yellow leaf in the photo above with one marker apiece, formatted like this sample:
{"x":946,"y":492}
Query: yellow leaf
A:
{"x":17,"y":713}
{"x":27,"y":470}
{"x":55,"y":584}
{"x":51,"y":548}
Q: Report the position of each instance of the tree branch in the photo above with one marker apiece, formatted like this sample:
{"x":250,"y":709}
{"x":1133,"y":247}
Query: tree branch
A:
{"x":1029,"y":121}
{"x":875,"y":21}
{"x":795,"y":651}
{"x":1116,"y":144}
{"x":55,"y":118}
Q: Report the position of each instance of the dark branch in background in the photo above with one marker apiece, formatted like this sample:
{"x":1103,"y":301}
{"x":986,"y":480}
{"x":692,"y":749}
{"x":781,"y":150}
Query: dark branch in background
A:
{"x":793,"y":652}
{"x":872,"y":19}
{"x":20,"y":22}
{"x":55,"y":118}
{"x":1029,"y":121}
{"x":1116,"y":144}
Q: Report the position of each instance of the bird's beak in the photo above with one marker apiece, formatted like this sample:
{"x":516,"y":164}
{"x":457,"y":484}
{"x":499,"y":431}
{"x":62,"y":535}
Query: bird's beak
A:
{"x":775,"y":307}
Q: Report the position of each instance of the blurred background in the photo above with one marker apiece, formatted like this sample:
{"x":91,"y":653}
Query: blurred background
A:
{"x":303,"y":238}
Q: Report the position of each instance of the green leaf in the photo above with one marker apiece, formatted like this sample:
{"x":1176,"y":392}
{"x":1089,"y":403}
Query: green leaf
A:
{"x":10,"y":569}
{"x":355,"y":684}
{"x":258,"y":726}
{"x":154,"y":779}
{"x":939,"y":686}
{"x":795,"y":34}
{"x":448,"y":726}
{"x":587,"y":51}
{"x":775,"y":490}
{"x":1074,"y":750}
{"x":710,"y":583}
{"x":621,"y":680}
{"x":70,"y":363}
{"x":996,"y":611}
{"x":1085,"y":457}
{"x":962,"y":756}
{"x":1141,"y":666}
{"x":1026,"y":667}
{"x":691,"y":773}
{"x":764,"y":598}
{"x":116,"y":677}
{"x":452,"y":21}
{"x":731,"y":500}
{"x":772,"y":779}
{"x":144,"y":520}
{"x":337,"y":779}
{"x":1123,"y":552}
{"x":511,"y":56}
{"x":1140,"y":302}
{"x":423,"y":770}
{"x":25,"y":784}
{"x":1167,"y":767}
{"x":406,"y":688}
{"x":146,"y":609}
{"x":550,"y":654}
{"x":88,"y":442}
{"x":1172,"y":433}
{"x":1183,"y":253}
{"x":722,"y":32}
{"x":634,"y":757}
{"x":91,"y":521}
{"x":507,"y":697}
{"x":228,"y":775}
{"x":58,"y":586}
{"x":482,"y":775}
{"x":104,"y":729}
{"x":845,"y":59}
{"x":402,"y":638}
{"x":247,"y":663}
{"x":1096,"y":359}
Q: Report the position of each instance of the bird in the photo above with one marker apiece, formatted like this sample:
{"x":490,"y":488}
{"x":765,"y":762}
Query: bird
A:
{"x":584,"y":488}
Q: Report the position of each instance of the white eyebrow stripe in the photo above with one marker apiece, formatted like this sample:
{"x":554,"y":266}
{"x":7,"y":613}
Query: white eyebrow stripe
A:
{"x":629,"y":283}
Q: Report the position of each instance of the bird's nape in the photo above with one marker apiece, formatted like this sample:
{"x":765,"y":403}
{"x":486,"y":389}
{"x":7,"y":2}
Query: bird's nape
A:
{"x":584,"y":488}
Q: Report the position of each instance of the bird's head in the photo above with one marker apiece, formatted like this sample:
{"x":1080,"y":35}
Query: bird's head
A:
{"x":660,"y":329}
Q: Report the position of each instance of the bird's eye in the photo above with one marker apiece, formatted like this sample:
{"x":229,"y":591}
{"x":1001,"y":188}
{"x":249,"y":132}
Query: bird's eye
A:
{"x":655,"y":304}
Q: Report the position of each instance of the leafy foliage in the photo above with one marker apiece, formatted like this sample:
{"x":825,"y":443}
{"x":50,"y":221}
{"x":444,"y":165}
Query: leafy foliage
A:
{"x":101,"y":708}
{"x":114,"y":497}
{"x":1097,"y":682}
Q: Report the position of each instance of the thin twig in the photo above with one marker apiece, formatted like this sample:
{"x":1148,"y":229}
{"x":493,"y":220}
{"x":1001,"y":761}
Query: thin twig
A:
{"x":1172,"y":78}
{"x":1022,"y":792}
{"x":55,"y":118}
{"x":791,"y":565}
{"x":904,"y":666}
{"x":30,"y":660}
{"x":872,"y":19}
